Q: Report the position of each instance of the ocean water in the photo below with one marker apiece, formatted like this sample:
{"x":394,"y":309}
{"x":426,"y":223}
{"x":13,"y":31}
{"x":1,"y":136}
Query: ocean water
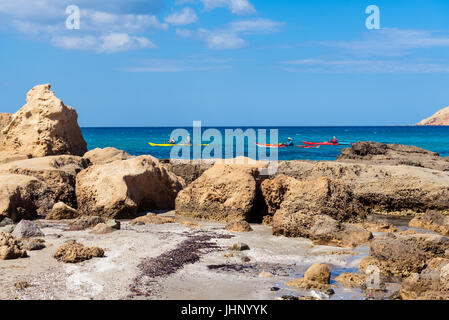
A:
{"x":135,"y":140}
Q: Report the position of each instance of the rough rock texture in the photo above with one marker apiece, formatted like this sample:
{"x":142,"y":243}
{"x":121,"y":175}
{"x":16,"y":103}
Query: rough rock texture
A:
{"x":27,"y":229}
{"x":102,"y":228}
{"x":73,"y":252}
{"x":315,"y":209}
{"x":10,"y":248}
{"x":5,"y":119}
{"x":106,"y":155}
{"x":189,"y":170}
{"x":316,"y":277}
{"x":381,"y":188}
{"x":123,"y":188}
{"x":286,"y":195}
{"x":440,"y":118}
{"x":8,"y":156}
{"x":404,"y":253}
{"x":350,"y":280}
{"x":62,"y":211}
{"x":432,"y":221}
{"x":431,"y":284}
{"x":225,"y":192}
{"x":152,"y":218}
{"x":318,"y":272}
{"x":21,"y":196}
{"x":321,"y":229}
{"x":32,"y":244}
{"x":87,"y":221}
{"x":239,"y":226}
{"x":43,"y":126}
{"x":58,"y":172}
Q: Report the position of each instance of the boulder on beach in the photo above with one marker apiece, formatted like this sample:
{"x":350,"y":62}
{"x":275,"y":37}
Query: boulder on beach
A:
{"x":84,"y":222}
{"x":57,"y":172}
{"x":123,"y":188}
{"x":225,"y":192}
{"x":317,"y":276}
{"x":404,"y":253}
{"x":321,"y":229}
{"x":10,"y":248}
{"x":27,"y":229}
{"x":73,"y":252}
{"x":151,"y":218}
{"x":61,"y":211}
{"x":106,"y":155}
{"x":22,"y":196}
{"x":189,"y":170}
{"x":381,"y":188}
{"x":431,"y":284}
{"x":433,"y":221}
{"x":43,"y":126}
{"x":323,"y":196}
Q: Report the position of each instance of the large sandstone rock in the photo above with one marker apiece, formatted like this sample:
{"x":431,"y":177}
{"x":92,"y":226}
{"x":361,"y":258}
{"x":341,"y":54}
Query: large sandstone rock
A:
{"x":432,"y":221}
{"x":225,"y":192}
{"x":286,"y":195}
{"x":106,"y":155}
{"x":316,"y":277}
{"x":381,"y":187}
{"x":73,"y":252}
{"x":440,"y":118}
{"x":123,"y":188}
{"x":405,"y":253}
{"x":43,"y":126}
{"x":189,"y":170}
{"x":22,"y":197}
{"x":316,"y":209}
{"x":57,"y":172}
{"x":393,"y":154}
{"x":431,"y":284}
{"x":321,"y":229}
{"x":62,"y":211}
{"x":10,"y":248}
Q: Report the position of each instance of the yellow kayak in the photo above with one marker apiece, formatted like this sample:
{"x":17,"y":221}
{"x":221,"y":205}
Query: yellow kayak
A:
{"x":169,"y":145}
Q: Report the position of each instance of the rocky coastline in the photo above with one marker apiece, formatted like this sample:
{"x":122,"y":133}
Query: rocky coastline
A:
{"x":71,"y":220}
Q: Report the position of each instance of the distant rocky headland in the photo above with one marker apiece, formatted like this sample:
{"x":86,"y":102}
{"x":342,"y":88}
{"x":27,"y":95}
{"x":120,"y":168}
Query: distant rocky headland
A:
{"x":440,"y":118}
{"x":140,"y":227}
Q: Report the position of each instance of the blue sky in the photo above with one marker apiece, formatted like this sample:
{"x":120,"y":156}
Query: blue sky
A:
{"x":229,"y":62}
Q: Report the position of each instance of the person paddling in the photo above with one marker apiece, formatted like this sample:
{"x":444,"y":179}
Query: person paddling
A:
{"x":334,"y":140}
{"x":172,"y":140}
{"x":288,"y":144}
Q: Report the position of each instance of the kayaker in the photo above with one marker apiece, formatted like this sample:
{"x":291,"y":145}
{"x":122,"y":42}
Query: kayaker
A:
{"x":188,"y":141}
{"x":172,"y":140}
{"x":290,"y":142}
{"x":334,"y":140}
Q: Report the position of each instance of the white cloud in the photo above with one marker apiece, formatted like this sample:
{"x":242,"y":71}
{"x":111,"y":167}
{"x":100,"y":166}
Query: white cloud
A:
{"x":391,"y":42}
{"x":365,"y":66}
{"x":222,"y":40}
{"x":186,"y":16}
{"x":183,"y":33}
{"x":102,"y":31}
{"x":230,"y":36}
{"x":239,"y":7}
{"x":180,"y":65}
{"x":113,"y":42}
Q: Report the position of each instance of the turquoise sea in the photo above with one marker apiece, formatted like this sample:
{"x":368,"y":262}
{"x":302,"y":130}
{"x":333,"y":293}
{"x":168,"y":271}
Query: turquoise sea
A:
{"x":135,"y":140}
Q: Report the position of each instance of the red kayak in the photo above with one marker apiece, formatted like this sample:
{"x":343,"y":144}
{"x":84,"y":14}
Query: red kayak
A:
{"x":326,"y":143}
